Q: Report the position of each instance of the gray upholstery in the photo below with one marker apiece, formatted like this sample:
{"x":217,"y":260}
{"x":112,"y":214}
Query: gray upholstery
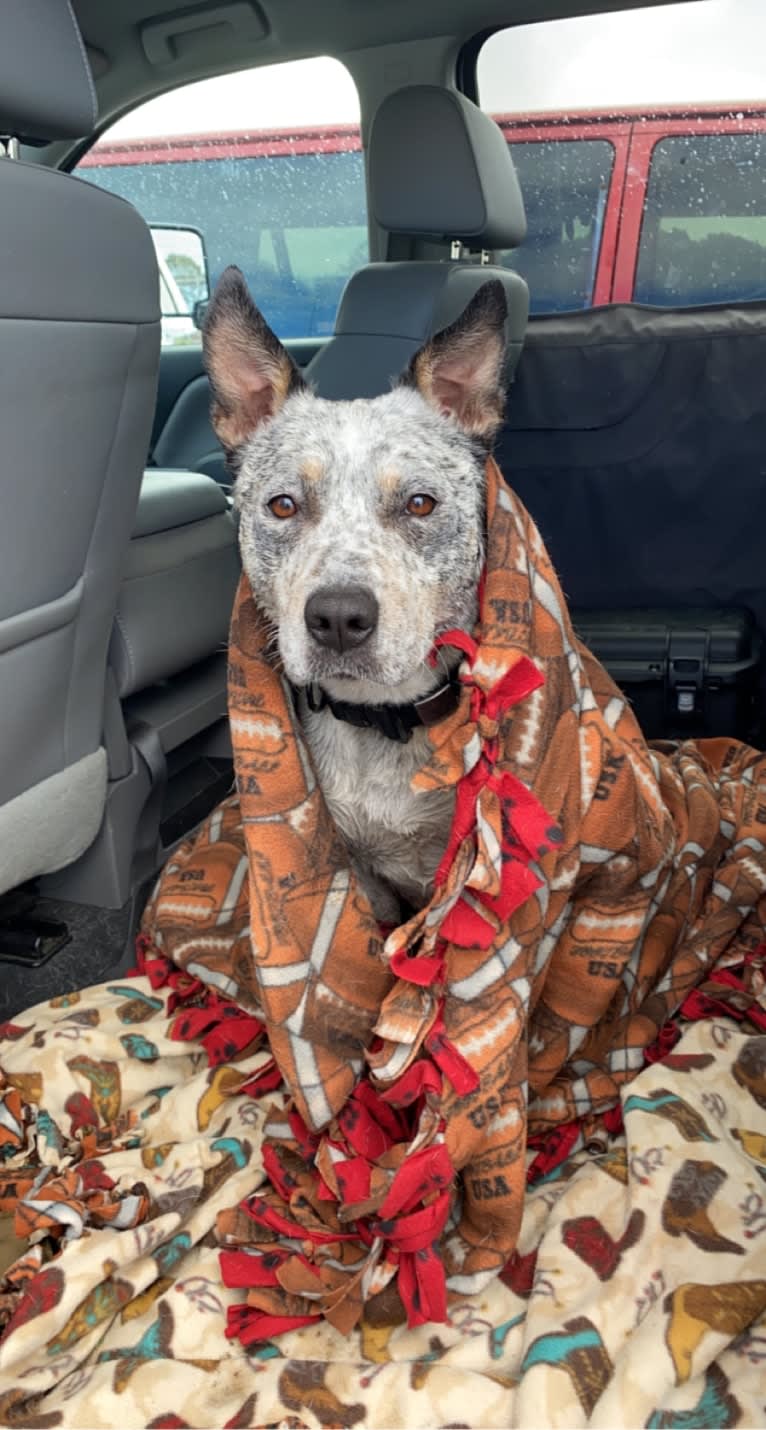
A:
{"x":387,"y":312}
{"x":46,"y":87}
{"x":79,"y":348}
{"x":59,"y":818}
{"x":166,"y":680}
{"x":170,"y":498}
{"x":185,"y":707}
{"x":440,"y":167}
{"x":178,"y":588}
{"x":72,"y":253}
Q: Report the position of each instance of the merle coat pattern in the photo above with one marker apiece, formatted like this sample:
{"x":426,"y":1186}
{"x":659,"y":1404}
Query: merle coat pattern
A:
{"x":383,"y":496}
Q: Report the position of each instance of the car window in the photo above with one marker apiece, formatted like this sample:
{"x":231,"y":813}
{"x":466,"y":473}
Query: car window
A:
{"x":583,"y":103}
{"x":565,"y":164}
{"x":703,"y":236}
{"x":284,"y":201}
{"x":565,"y":185}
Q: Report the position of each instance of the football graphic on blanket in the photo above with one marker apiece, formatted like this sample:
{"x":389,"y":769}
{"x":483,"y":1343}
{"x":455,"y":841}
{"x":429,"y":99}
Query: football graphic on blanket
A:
{"x":589,"y":883}
{"x":315,"y":1133}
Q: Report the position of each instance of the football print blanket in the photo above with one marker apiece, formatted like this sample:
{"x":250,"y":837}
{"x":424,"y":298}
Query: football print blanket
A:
{"x":339,"y":1123}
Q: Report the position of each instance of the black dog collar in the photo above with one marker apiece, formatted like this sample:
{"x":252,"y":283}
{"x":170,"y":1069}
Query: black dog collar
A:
{"x":396,"y":722}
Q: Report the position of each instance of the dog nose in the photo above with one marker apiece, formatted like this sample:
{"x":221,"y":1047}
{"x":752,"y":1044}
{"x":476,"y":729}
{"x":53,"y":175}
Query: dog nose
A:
{"x":341,"y":617}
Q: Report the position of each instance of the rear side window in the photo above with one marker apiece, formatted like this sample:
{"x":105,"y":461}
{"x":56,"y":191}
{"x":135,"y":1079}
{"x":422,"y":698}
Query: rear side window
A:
{"x":565,"y":185}
{"x":638,"y":138}
{"x":222,"y":175}
{"x":703,"y":235}
{"x":566,"y":162}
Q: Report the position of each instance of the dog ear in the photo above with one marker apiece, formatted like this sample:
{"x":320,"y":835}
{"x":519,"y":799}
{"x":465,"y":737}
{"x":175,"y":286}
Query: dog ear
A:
{"x":251,"y":374}
{"x":460,"y":370}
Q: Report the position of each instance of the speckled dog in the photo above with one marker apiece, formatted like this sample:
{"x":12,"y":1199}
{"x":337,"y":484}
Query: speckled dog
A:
{"x":362,"y":531}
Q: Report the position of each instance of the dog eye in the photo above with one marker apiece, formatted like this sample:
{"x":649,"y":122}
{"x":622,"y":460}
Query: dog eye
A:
{"x":283,"y":506}
{"x":420,"y":505}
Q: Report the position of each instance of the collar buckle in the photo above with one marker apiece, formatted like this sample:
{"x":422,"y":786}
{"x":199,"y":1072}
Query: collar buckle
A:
{"x":315,"y":697}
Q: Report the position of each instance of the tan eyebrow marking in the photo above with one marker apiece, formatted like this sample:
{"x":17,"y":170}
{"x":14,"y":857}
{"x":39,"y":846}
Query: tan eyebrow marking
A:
{"x":312,"y":469}
{"x":390,"y":481}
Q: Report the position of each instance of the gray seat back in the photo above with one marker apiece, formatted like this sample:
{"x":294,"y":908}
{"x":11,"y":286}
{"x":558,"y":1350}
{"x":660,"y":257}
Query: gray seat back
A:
{"x":79,"y":345}
{"x":444,"y":190}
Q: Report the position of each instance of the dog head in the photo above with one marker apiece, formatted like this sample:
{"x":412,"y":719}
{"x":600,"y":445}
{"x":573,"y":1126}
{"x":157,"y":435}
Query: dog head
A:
{"x":361,"y":523}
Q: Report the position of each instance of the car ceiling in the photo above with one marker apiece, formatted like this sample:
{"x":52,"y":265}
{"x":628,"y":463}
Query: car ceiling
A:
{"x":300,"y":26}
{"x":135,"y":53}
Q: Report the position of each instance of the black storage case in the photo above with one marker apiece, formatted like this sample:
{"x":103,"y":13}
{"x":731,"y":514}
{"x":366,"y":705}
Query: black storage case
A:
{"x":687,"y":673}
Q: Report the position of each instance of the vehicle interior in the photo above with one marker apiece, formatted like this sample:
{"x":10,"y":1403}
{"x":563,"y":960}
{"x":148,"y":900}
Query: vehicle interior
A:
{"x":268,"y":1159}
{"x":118,"y":547}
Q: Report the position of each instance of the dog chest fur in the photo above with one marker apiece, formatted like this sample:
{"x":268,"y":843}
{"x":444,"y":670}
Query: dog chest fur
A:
{"x":396,"y":836}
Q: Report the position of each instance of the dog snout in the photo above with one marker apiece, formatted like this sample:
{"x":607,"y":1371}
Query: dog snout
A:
{"x":340,"y":618}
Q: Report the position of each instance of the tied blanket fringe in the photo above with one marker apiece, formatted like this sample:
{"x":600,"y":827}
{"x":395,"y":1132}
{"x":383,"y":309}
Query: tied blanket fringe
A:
{"x":225,"y":1032}
{"x":588,"y":885}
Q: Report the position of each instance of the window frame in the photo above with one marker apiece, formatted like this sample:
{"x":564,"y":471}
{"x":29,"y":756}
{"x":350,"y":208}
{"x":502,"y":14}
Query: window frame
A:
{"x":467,"y":62}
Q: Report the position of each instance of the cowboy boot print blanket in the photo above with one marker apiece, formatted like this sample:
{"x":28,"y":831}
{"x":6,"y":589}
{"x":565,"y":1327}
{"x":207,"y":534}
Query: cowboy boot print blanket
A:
{"x":281,"y":1175}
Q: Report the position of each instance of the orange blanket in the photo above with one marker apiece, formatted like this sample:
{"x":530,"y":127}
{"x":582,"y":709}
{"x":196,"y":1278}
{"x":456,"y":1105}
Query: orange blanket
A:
{"x":588,"y":883}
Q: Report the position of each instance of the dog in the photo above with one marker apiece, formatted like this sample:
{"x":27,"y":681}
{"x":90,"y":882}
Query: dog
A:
{"x":362,"y":532}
